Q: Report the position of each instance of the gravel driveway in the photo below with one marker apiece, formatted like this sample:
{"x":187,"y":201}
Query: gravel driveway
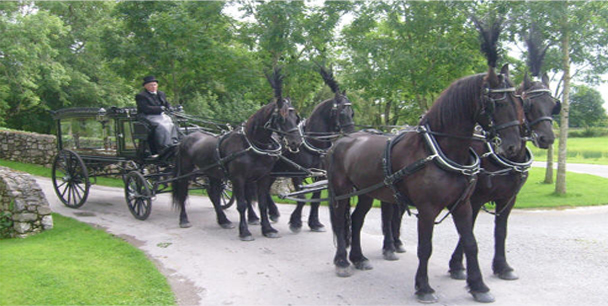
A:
{"x":561,"y":256}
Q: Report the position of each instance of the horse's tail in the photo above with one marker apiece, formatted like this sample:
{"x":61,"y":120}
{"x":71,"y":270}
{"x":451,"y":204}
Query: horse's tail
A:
{"x":336,"y":225}
{"x":179,"y":188}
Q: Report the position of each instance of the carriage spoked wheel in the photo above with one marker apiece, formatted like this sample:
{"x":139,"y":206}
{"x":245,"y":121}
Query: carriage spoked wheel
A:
{"x":138,"y":195}
{"x":227,"y":198}
{"x":70,"y":179}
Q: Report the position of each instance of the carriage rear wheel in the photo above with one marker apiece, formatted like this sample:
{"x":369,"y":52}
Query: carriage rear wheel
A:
{"x":138,"y":195}
{"x":70,"y":179}
{"x":227,"y":198}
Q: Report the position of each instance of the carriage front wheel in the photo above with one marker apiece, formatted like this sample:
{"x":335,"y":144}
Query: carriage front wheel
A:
{"x":138,"y":195}
{"x":227,"y":198}
{"x":70,"y":179}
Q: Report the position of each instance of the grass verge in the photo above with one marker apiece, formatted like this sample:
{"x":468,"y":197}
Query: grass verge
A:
{"x":76,"y":264}
{"x":591,"y":150}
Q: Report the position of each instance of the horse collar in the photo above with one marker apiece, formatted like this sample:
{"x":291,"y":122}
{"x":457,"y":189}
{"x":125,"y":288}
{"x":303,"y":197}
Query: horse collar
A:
{"x":268,"y":152}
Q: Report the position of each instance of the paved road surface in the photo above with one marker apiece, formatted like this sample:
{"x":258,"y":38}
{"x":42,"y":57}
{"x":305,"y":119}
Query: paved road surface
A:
{"x":561,"y":257}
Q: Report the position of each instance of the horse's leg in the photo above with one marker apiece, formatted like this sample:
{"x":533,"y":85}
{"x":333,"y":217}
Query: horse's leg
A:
{"x":263,"y":189}
{"x":215,"y":193}
{"x":180,"y":190}
{"x":396,"y":224}
{"x":457,"y":269}
{"x":463,"y":218}
{"x":388,"y":245}
{"x":295,"y":220}
{"x":313,"y":218}
{"x":250,"y":195}
{"x":358,"y":218}
{"x":238,"y":189}
{"x":500,"y":265}
{"x":340,"y":214}
{"x":426,"y":222}
{"x":273,"y":210}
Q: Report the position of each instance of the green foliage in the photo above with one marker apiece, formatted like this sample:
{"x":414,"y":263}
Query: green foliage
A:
{"x":394,"y":58}
{"x":6,"y":224}
{"x":586,"y":108}
{"x":75,"y":264}
{"x":588,"y":132}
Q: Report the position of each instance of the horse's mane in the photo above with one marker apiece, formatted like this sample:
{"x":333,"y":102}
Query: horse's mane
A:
{"x":456,"y":104}
{"x":536,"y":50}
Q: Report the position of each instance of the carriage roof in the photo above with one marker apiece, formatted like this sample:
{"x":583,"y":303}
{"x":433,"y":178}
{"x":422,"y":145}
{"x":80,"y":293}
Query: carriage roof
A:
{"x":93,"y":112}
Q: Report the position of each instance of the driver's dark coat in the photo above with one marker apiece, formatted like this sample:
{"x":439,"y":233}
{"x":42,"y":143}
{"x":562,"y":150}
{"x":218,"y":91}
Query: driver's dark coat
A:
{"x":148,"y":104}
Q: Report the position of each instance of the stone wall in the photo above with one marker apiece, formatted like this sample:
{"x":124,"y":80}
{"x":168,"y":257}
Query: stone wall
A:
{"x":27,"y":147}
{"x":22,"y":200}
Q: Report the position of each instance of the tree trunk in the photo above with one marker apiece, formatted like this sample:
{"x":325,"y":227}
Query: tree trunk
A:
{"x":549,"y":169}
{"x":560,"y":183}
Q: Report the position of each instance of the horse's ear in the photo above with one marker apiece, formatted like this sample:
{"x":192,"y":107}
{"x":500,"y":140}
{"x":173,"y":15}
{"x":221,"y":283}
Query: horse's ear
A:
{"x":545,"y":79}
{"x":527,"y":82}
{"x":505,"y":70}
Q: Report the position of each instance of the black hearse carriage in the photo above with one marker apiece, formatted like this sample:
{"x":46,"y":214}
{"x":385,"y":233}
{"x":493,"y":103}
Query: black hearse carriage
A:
{"x":99,"y":142}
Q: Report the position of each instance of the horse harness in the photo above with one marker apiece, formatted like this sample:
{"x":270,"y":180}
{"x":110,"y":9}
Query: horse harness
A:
{"x":325,"y":137}
{"x":508,"y":167}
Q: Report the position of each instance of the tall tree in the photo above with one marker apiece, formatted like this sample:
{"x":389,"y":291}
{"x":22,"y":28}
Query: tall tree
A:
{"x":403,"y":54}
{"x":586,"y":107}
{"x":29,"y":65}
{"x":577,"y":29}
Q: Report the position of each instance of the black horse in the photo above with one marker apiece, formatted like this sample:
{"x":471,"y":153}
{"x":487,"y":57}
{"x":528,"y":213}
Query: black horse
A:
{"x":431,"y":168}
{"x":245,"y":155}
{"x":328,"y":120}
{"x":502,"y":178}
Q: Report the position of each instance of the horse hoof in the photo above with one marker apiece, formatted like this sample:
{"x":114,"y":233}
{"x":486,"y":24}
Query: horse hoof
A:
{"x":483,"y":297}
{"x":363,"y":265}
{"x":185,"y":225}
{"x":228,"y":225}
{"x":399,"y":249}
{"x":390,"y":255}
{"x":247,"y":238}
{"x":507,"y":275}
{"x":274,"y":219}
{"x":254,"y":222}
{"x":344,"y":271}
{"x":295,"y":229}
{"x":318,"y":229}
{"x":427,"y":298}
{"x":458,"y":274}
{"x":272,"y":235}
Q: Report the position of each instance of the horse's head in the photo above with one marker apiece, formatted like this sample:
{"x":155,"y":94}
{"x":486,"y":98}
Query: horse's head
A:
{"x":342,"y":114}
{"x":539,"y":107}
{"x":500,"y":113}
{"x":284,"y":122}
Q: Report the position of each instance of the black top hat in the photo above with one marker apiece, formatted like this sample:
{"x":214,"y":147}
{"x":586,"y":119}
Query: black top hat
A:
{"x":149,"y":79}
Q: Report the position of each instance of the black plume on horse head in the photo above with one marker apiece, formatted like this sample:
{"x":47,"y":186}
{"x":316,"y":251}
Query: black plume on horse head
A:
{"x":536,"y":50}
{"x":328,"y":78}
{"x":276,"y":81}
{"x":489,"y":38}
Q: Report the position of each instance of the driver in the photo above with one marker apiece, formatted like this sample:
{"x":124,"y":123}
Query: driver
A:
{"x":151,"y":106}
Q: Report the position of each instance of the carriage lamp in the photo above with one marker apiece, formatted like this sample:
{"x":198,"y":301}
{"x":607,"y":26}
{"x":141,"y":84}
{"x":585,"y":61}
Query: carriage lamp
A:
{"x":102,"y":112}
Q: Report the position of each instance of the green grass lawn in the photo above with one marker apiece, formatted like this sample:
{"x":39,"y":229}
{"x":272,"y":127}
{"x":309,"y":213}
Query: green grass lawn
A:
{"x":76,"y":264}
{"x":592,"y":150}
